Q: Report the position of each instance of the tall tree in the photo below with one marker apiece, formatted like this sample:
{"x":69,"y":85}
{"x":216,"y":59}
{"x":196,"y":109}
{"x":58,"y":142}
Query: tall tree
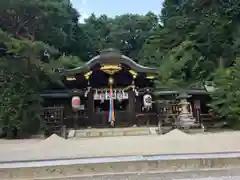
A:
{"x":50,"y":21}
{"x":126,"y":32}
{"x":204,"y":25}
{"x":226,"y":96}
{"x":27,"y":27}
{"x":129,"y":32}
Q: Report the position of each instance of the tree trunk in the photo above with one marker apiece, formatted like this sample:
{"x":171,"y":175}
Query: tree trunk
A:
{"x":221,"y":62}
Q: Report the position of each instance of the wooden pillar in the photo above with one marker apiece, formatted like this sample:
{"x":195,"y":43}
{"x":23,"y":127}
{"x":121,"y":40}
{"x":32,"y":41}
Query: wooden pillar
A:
{"x":132,"y":112}
{"x":138,"y":109}
{"x":90,"y":108}
{"x":138,"y":104}
{"x":197,"y":109}
{"x":76,"y":119}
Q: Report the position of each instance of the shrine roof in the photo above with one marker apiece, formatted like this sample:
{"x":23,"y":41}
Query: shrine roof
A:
{"x":189,"y":91}
{"x":110,"y":56}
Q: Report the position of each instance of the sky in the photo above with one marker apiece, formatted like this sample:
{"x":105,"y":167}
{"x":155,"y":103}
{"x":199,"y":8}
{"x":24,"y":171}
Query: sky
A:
{"x":116,"y":7}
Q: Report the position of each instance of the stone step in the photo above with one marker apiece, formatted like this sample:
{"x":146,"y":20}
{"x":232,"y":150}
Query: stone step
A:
{"x":100,"y":170}
{"x":110,"y":132}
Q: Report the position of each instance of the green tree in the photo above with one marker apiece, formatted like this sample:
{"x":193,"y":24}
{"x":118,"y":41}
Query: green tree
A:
{"x":95,"y":35}
{"x":28,"y":65}
{"x":226,"y":99}
{"x":53,"y":22}
{"x":20,"y":98}
{"x":196,"y":38}
{"x":129,"y":32}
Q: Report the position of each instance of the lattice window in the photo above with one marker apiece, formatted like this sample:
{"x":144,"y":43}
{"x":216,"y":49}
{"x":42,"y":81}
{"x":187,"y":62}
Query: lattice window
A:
{"x":53,"y":119}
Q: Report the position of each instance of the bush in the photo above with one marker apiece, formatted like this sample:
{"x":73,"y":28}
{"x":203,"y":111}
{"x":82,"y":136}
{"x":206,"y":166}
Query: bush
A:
{"x":20,"y":98}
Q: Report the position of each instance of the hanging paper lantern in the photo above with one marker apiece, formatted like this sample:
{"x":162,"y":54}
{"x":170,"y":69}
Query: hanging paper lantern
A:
{"x":147,"y":101}
{"x":76,"y":102}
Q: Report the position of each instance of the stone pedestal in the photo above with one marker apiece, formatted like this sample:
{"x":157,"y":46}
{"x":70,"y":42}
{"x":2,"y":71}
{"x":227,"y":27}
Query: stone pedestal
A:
{"x":185,"y":118}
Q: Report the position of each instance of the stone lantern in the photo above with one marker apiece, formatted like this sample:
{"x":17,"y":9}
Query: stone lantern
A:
{"x":185,"y":118}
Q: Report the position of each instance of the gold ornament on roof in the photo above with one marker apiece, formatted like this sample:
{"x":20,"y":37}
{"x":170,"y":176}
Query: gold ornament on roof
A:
{"x":133,"y":73}
{"x":110,"y":80}
{"x":150,"y":77}
{"x":110,"y":69}
{"x":87,"y":75}
{"x":70,"y":78}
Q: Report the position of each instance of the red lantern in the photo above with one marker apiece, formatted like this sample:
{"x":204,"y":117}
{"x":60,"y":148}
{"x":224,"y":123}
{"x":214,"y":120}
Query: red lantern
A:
{"x":76,"y":102}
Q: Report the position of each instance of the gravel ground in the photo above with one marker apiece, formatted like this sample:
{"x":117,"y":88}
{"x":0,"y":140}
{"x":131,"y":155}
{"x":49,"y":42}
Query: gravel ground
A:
{"x":173,"y":143}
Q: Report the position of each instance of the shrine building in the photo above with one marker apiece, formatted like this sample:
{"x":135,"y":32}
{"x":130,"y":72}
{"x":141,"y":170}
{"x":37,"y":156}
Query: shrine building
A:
{"x":110,"y":90}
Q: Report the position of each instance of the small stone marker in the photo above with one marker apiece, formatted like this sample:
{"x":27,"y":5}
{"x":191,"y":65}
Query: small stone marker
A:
{"x":152,"y":130}
{"x":71,"y":133}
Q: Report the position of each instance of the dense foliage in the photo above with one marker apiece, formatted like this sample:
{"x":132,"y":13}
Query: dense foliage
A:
{"x":226,"y":97}
{"x":199,"y":42}
{"x":32,"y":36}
{"x":190,"y":42}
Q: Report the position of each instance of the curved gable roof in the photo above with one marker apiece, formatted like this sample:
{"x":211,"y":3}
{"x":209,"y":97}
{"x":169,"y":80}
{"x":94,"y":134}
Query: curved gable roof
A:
{"x":110,"y":56}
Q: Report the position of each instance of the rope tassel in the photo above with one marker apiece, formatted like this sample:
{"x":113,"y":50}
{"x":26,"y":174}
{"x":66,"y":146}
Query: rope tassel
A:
{"x":111,"y":117}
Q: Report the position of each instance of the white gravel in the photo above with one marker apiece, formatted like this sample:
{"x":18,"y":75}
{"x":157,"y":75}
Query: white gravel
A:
{"x":174,"y":142}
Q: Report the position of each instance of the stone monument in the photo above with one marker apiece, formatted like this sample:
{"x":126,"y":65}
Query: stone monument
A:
{"x":185,"y":119}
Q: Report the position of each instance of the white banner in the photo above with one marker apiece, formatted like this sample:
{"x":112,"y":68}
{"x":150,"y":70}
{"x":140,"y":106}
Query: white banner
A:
{"x":119,"y":95}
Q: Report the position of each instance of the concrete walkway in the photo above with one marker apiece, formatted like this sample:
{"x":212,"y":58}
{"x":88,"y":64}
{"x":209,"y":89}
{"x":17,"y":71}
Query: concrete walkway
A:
{"x":230,"y":174}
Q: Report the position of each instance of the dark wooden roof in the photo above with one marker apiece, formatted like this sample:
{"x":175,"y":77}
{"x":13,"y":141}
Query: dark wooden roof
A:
{"x":60,"y":93}
{"x":190,"y":91}
{"x":110,"y":56}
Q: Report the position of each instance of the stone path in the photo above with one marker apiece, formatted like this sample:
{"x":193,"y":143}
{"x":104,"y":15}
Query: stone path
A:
{"x":217,"y":178}
{"x":201,"y":175}
{"x":232,"y":174}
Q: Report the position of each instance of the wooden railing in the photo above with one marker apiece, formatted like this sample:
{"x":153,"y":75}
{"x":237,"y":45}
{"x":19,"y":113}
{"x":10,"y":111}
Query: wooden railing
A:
{"x":146,"y":119}
{"x":206,"y":117}
{"x":167,"y":118}
{"x":207,"y":120}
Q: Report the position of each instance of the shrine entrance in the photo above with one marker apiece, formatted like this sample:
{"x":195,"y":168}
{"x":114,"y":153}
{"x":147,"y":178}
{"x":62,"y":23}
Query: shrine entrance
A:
{"x":111,"y":86}
{"x":121,"y":107}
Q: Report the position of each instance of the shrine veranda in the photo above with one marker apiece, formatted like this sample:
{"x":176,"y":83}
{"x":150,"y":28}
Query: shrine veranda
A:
{"x":112,"y":84}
